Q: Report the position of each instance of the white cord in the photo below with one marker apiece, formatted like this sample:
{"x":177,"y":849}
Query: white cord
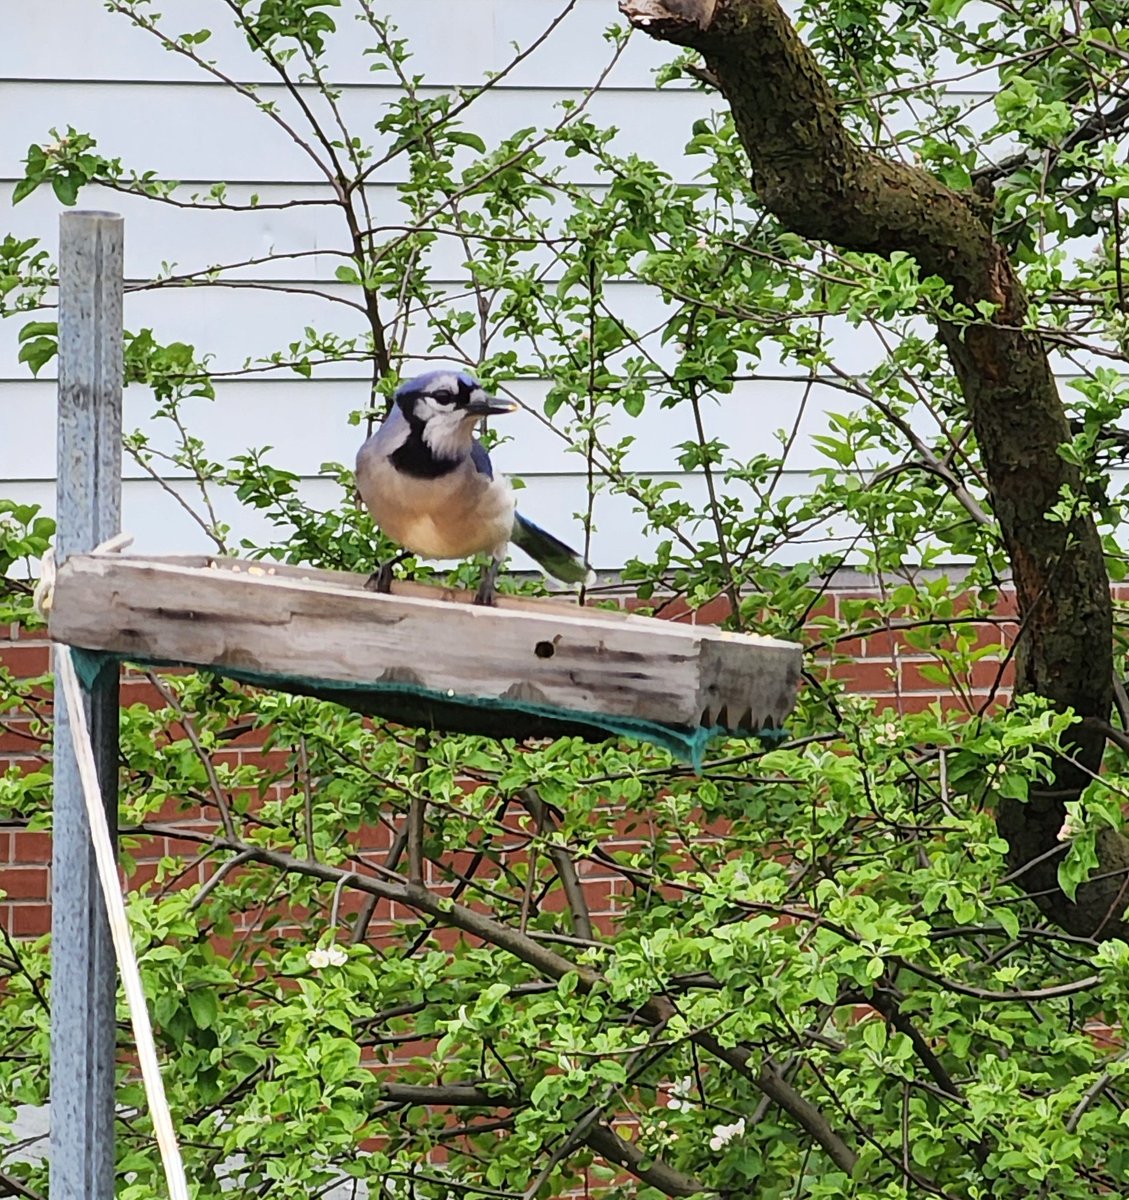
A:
{"x":45,"y":588}
{"x":119,"y":928}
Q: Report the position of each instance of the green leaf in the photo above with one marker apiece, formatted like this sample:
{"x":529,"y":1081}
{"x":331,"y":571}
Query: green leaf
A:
{"x":37,"y":329}
{"x":24,"y":188}
{"x":874,"y":1034}
{"x":66,"y":188}
{"x":462,"y":138}
{"x":204,"y":1007}
{"x":38,"y":352}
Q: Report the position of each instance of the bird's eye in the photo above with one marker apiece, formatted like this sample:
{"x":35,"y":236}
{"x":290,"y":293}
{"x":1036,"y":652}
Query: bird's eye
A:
{"x":444,"y":398}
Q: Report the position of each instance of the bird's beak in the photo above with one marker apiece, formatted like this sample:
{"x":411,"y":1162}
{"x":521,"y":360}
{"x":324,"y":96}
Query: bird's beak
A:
{"x":490,"y":406}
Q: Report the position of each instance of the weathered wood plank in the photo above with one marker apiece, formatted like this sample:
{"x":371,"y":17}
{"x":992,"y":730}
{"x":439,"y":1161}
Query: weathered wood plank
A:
{"x":291,"y":622}
{"x":559,"y":602}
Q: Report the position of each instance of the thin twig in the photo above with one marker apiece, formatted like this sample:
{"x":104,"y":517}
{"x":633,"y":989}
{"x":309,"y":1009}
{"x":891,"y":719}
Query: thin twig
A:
{"x":417,"y":812}
{"x":13,"y":1187}
{"x":213,"y":881}
{"x":307,"y":796}
{"x":566,"y":868}
{"x":205,"y":758}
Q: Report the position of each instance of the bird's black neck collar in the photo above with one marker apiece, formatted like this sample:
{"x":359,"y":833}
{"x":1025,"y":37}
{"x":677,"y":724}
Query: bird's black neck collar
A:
{"x":416,"y":458}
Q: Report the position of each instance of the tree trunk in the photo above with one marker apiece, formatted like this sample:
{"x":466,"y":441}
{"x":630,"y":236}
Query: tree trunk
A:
{"x":818,"y":182}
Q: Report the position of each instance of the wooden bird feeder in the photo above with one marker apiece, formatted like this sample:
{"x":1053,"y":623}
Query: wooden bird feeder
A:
{"x":424,"y":655}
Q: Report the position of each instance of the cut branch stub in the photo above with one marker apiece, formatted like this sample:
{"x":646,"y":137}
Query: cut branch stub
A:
{"x":669,"y":17}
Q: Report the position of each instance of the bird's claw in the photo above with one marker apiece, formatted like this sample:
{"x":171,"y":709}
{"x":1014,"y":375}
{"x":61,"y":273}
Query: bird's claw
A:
{"x":487,"y":586}
{"x":380,"y":580}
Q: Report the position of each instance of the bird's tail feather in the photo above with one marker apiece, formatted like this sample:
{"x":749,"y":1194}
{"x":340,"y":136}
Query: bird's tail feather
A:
{"x":558,"y":559}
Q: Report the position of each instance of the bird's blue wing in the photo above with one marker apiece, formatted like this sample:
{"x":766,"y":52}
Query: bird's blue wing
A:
{"x":388,"y":436}
{"x":481,"y":459}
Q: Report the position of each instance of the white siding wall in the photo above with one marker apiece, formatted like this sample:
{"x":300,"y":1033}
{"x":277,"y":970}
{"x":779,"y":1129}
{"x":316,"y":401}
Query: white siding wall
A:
{"x":71,"y":62}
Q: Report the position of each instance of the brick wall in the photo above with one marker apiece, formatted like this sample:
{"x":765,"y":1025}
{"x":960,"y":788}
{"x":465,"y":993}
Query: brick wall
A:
{"x":882,"y":664}
{"x":25,"y":854}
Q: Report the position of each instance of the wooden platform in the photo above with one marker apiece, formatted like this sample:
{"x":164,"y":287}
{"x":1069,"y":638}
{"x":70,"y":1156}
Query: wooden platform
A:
{"x":424,"y":655}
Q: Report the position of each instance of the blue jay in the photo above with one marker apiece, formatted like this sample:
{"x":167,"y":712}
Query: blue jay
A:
{"x":429,"y":484}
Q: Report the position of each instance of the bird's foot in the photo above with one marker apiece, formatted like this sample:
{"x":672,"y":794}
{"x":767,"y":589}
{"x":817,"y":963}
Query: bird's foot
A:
{"x":486,"y":589}
{"x":485,"y":594}
{"x":381,"y":579}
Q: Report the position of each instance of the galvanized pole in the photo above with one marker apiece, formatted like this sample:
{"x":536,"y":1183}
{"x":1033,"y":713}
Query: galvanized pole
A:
{"x":84,"y":978}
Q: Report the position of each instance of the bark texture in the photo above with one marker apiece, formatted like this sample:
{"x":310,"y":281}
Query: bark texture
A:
{"x":820,"y":183}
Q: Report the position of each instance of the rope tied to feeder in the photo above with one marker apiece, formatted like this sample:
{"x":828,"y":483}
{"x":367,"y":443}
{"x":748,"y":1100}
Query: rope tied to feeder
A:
{"x":45,"y":588}
{"x":44,"y":591}
{"x":116,"y":914}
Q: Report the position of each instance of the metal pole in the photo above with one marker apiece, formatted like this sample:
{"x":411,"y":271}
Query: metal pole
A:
{"x":88,"y":511}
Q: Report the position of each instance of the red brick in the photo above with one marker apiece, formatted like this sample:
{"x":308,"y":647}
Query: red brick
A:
{"x":873,"y":601}
{"x":147,"y":848}
{"x":143,"y":872}
{"x":28,"y":920}
{"x":374,"y":838}
{"x":26,"y":883}
{"x":16,"y":735}
{"x":21,"y":633}
{"x":880,"y":643}
{"x":593,"y":868}
{"x":825,"y":607}
{"x":22,"y":762}
{"x":25,"y":661}
{"x":249,"y":738}
{"x":1104,"y":1035}
{"x":988,"y":673}
{"x":714,"y":611}
{"x":140,"y":691}
{"x":177,"y":809}
{"x":983,"y":675}
{"x":853,"y":647}
{"x":30,"y":846}
{"x":182,"y":847}
{"x":873,"y":677}
{"x":672,"y":608}
{"x":276,"y":762}
{"x":870,"y":659}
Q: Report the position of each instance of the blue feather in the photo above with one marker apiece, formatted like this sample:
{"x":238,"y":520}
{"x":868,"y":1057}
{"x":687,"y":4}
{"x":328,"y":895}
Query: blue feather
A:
{"x":561,"y":561}
{"x":481,"y":459}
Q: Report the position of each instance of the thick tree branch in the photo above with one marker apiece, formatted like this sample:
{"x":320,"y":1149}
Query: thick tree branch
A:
{"x":601,"y":1138}
{"x":453,"y":1095}
{"x":781,"y":1092}
{"x":652,"y":1171}
{"x":819,"y":182}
